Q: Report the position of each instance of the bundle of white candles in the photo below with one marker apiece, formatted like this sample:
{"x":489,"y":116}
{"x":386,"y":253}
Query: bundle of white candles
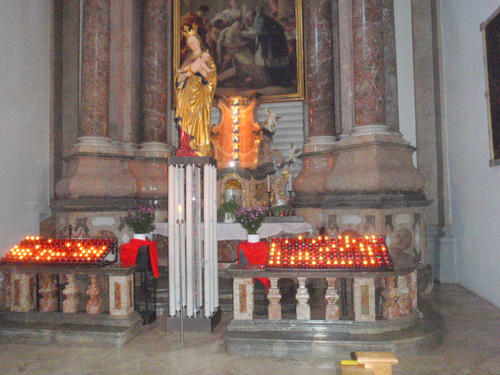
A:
{"x":192,"y":257}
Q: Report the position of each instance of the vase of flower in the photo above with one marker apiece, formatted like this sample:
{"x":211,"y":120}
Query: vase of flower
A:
{"x":251,"y":219}
{"x":140,"y":236}
{"x":253,"y":238}
{"x":141,"y":221}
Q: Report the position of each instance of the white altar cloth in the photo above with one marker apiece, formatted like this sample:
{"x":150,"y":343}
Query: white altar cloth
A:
{"x":234,"y":231}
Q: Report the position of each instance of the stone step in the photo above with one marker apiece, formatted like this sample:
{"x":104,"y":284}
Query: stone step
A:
{"x":92,"y":335}
{"x":425,"y":335}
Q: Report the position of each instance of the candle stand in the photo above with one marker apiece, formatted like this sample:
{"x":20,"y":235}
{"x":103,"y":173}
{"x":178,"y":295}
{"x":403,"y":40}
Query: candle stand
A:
{"x":192,"y":244}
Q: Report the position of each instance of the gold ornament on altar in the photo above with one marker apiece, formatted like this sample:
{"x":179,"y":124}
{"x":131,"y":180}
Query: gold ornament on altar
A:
{"x":237,"y":136}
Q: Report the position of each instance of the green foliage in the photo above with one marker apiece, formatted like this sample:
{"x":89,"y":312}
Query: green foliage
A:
{"x":141,"y":219}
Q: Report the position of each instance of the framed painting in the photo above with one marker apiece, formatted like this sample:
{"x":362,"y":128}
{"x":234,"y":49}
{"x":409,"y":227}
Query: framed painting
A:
{"x":255,"y":44}
{"x":491,"y":38}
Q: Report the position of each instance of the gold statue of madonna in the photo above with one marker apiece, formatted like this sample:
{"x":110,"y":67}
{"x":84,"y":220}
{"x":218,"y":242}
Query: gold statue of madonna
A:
{"x":195,"y":84}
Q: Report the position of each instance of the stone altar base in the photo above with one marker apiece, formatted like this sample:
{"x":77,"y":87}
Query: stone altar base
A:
{"x":320,"y":339}
{"x":198,"y":324}
{"x":68,"y":329}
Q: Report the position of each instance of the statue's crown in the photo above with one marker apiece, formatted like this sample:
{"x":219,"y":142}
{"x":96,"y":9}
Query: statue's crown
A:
{"x":188,"y":30}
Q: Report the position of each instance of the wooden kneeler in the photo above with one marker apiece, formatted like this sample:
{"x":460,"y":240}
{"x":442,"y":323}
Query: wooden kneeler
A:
{"x":374,"y":363}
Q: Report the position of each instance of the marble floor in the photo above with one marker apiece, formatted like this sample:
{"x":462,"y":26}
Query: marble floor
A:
{"x":471,"y":346}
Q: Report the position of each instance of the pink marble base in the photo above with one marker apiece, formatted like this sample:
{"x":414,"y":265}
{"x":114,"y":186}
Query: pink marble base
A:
{"x":315,"y":170}
{"x":96,"y":176}
{"x":374,"y":163}
{"x":151,"y":177}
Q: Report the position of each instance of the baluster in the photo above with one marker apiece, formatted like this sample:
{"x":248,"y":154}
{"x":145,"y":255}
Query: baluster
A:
{"x":390,"y":308}
{"x":303,"y":308}
{"x":70,"y":303}
{"x":274,"y":297}
{"x":48,"y":290}
{"x":94,"y":304}
{"x":332,"y":311}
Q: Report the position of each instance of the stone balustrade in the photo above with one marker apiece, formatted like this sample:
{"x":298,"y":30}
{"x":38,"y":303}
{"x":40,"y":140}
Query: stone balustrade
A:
{"x":388,"y":299}
{"x":55,"y":289}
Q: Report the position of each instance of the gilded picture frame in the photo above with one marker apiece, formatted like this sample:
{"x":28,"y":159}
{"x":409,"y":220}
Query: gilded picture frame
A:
{"x":491,"y":39}
{"x":257,"y":45}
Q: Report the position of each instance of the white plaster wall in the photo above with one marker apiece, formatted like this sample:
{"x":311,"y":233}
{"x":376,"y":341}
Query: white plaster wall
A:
{"x":404,"y":58}
{"x":24,"y":117}
{"x":474,"y":186}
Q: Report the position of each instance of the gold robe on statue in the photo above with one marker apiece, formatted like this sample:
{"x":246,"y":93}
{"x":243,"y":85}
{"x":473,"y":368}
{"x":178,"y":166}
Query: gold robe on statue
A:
{"x":194,"y":96}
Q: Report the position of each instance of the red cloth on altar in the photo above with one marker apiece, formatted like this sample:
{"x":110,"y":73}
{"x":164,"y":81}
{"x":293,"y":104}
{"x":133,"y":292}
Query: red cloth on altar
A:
{"x":128,"y":254}
{"x":256,"y":253}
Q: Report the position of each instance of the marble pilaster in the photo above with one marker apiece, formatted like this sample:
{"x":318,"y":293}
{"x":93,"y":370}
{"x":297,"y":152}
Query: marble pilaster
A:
{"x":22,"y":292}
{"x":121,"y":295}
{"x":364,"y":299}
{"x":95,"y":69}
{"x":154,"y":71}
{"x":150,"y":165}
{"x":243,"y":298}
{"x":95,"y":168}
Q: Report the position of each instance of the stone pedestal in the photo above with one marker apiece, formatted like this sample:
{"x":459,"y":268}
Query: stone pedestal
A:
{"x":96,"y":176}
{"x":150,"y":170}
{"x":364,"y":300}
{"x":22,"y":292}
{"x":243,"y":298}
{"x":121,"y":295}
{"x":318,"y":161}
{"x":374,"y":160}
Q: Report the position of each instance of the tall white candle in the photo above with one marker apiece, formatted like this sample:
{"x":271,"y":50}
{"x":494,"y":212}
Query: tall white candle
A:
{"x":189,"y":241}
{"x":206,"y":239}
{"x":290,"y":182}
{"x":268,"y":183}
{"x":171,"y":239}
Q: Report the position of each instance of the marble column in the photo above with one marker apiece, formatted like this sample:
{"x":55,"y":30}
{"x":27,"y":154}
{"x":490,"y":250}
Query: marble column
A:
{"x":150,"y":169}
{"x":95,"y":168}
{"x":372,"y":158}
{"x":368,"y":47}
{"x":318,"y":43}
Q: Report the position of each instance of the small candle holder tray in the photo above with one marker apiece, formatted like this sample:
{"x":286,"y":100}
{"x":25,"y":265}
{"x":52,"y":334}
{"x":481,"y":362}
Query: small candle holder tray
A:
{"x":368,"y":253}
{"x":37,"y":250}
